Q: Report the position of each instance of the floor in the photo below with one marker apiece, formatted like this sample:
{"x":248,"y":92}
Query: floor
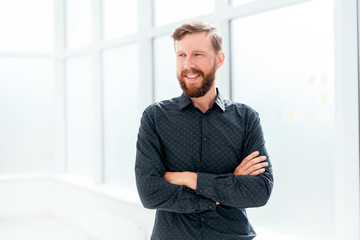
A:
{"x":263,"y":234}
{"x":40,"y":228}
{"x":51,"y":228}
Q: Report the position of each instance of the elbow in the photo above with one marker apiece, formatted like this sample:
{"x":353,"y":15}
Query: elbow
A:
{"x":151,"y":198}
{"x":146,"y":191}
{"x":148,"y":203}
{"x":147,"y":199}
{"x":266,"y":193}
{"x":263,"y":201}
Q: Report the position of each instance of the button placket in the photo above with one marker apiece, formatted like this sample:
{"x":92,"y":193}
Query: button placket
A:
{"x":204,"y":139}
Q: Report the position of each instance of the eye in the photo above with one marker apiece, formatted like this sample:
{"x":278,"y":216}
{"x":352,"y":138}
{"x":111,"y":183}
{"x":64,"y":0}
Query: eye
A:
{"x":181,"y":55}
{"x":198,"y":54}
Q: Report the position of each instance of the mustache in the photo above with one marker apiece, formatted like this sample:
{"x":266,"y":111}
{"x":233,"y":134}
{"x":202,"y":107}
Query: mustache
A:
{"x":193,"y":71}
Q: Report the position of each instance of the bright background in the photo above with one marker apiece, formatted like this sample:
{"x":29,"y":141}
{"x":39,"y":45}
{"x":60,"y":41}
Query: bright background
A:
{"x":76,"y":75}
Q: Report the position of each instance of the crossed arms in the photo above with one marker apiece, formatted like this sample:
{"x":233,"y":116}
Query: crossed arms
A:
{"x":251,"y":165}
{"x":250,"y":184}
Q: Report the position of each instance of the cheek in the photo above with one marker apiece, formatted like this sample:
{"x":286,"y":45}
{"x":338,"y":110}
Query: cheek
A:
{"x":179,"y":66}
{"x":204,"y":63}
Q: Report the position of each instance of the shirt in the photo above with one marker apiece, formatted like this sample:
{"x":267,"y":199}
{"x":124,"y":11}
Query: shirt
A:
{"x":176,"y":136}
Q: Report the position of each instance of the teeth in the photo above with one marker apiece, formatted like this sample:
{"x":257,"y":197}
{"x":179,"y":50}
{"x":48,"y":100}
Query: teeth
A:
{"x":192,"y":76}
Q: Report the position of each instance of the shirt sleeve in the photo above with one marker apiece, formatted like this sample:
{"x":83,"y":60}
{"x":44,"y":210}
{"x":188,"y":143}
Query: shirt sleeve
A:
{"x":154,"y":191}
{"x":241,"y":191}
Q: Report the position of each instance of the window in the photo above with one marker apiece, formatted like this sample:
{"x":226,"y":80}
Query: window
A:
{"x":26,"y":102}
{"x":284,"y":70}
{"x":166,"y":84}
{"x":78,"y":23}
{"x":121,"y":115}
{"x":170,"y":11}
{"x":79,"y":116}
{"x":120,"y":18}
{"x":25,"y":27}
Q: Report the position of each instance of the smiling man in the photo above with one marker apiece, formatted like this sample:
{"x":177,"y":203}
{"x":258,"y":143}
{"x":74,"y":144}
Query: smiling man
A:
{"x":201,"y":160}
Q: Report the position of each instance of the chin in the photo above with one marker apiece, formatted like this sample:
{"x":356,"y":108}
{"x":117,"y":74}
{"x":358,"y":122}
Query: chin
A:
{"x":196,"y":84}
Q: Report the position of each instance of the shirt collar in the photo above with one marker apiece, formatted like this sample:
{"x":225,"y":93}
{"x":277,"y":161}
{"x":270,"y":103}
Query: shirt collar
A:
{"x":184,"y":101}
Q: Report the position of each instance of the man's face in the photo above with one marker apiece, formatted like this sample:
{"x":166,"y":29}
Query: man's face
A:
{"x":196,"y":64}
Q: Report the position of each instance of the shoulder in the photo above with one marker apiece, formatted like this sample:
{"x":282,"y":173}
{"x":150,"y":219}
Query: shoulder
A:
{"x":246,"y":115}
{"x":162,"y":106}
{"x":241,"y":108}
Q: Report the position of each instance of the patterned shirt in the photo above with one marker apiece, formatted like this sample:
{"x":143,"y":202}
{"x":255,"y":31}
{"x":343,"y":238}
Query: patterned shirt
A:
{"x":176,"y":136}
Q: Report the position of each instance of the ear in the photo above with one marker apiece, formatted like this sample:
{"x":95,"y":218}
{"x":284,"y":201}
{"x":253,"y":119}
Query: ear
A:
{"x":220,"y":60}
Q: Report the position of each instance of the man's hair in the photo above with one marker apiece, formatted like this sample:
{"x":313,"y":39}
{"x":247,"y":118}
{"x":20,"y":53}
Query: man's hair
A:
{"x":196,"y":27}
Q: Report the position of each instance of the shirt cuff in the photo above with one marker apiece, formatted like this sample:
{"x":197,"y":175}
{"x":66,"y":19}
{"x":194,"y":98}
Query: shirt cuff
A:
{"x":207,"y":204}
{"x":205,"y":185}
{"x":201,"y":204}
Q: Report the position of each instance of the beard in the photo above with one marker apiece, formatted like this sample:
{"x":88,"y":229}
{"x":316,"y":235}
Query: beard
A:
{"x":190,"y":89}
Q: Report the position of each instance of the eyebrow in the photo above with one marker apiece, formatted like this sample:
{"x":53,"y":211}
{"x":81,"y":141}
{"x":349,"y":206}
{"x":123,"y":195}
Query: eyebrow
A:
{"x":200,"y":51}
{"x":195,"y":51}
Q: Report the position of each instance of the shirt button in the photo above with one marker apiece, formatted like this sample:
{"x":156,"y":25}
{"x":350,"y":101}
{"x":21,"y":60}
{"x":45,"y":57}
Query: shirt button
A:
{"x":210,"y":206}
{"x":202,"y":219}
{"x":204,"y":139}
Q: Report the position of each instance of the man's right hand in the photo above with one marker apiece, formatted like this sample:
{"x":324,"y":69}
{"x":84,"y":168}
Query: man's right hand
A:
{"x":252,"y":165}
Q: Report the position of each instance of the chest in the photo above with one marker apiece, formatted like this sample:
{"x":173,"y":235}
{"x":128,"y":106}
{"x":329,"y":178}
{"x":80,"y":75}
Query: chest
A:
{"x":193,"y":141}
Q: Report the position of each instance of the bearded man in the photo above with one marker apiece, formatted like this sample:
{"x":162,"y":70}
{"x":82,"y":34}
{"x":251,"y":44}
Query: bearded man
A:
{"x":201,"y":160}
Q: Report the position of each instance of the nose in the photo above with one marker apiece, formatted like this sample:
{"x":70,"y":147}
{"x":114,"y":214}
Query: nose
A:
{"x":188,"y":64}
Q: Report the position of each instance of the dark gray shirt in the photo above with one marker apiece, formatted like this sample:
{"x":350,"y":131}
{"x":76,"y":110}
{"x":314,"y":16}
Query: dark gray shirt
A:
{"x":176,"y":136}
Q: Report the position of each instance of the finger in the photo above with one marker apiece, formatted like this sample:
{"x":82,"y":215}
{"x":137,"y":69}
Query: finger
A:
{"x":249,"y":157}
{"x":242,"y":169}
{"x":257,"y":172}
{"x":245,"y":168}
{"x":254,"y":161}
{"x":257,"y":166}
{"x":252,"y":169}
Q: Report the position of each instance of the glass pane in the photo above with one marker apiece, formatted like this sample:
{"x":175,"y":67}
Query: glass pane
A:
{"x":26,"y":122}
{"x":26,"y":27}
{"x":79,"y":116}
{"x":169,"y":11}
{"x":166,"y":83}
{"x":121,"y":115}
{"x":120,"y":18}
{"x":285,"y":71}
{"x":78,"y":23}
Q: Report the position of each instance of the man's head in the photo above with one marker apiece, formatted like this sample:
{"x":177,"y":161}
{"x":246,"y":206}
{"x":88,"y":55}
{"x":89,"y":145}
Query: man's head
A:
{"x":198,"y":48}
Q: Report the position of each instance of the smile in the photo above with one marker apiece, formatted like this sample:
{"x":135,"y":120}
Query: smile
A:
{"x":192,"y":77}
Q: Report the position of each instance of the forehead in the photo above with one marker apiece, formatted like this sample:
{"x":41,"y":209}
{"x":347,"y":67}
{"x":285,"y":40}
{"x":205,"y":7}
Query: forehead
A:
{"x":194,"y":42}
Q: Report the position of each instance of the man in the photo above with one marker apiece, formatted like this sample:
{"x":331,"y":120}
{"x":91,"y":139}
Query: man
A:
{"x":201,"y":160}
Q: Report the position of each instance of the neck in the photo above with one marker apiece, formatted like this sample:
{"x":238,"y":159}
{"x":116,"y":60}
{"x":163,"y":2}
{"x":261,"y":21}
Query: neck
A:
{"x":205,"y":102}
